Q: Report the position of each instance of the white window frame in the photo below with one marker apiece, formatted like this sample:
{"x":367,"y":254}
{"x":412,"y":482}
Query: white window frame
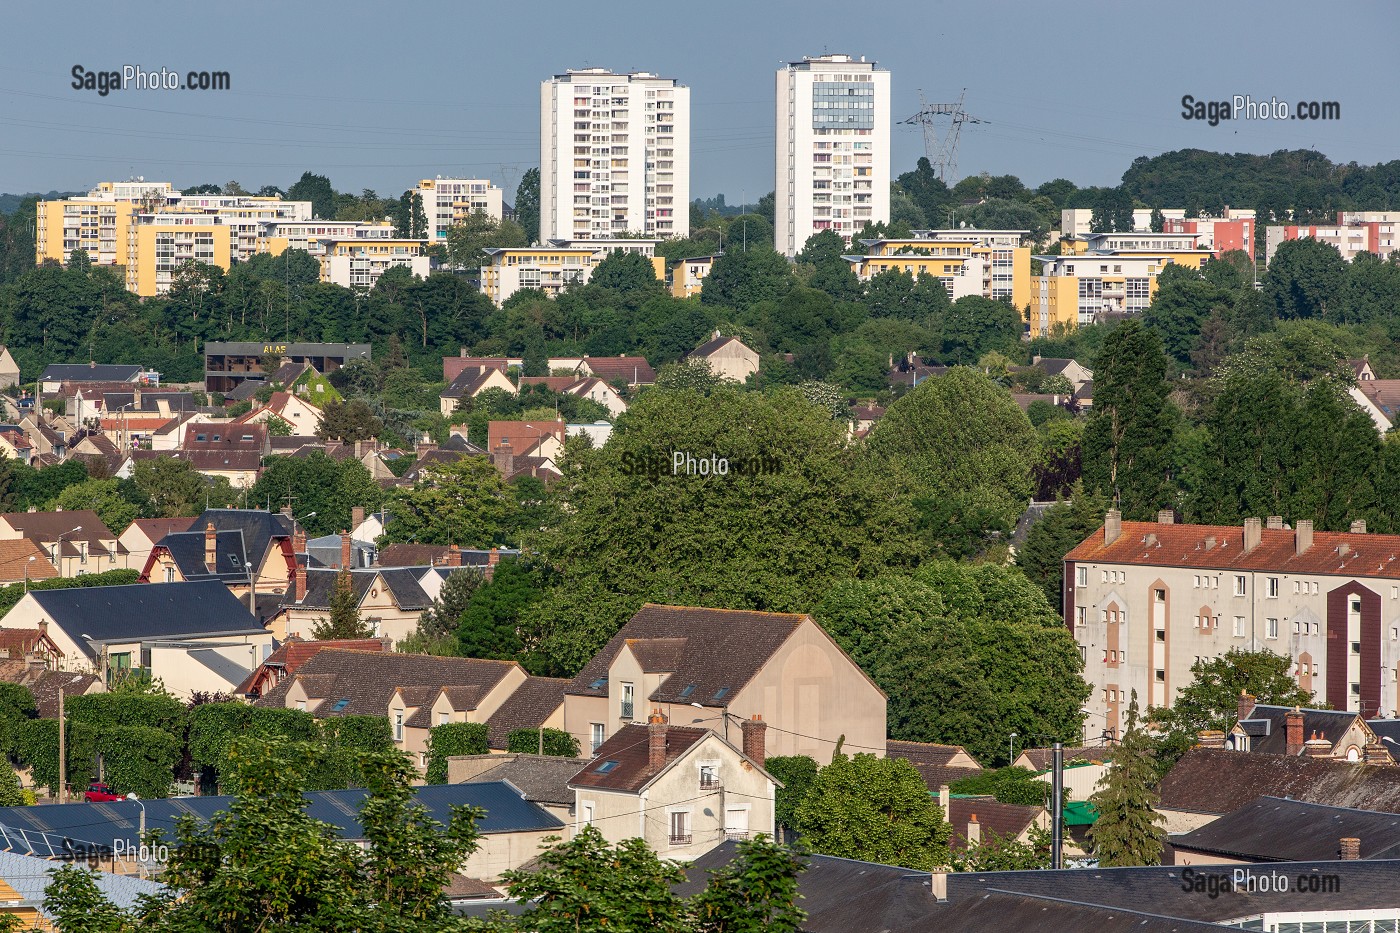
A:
{"x":597,"y":735}
{"x":1241,"y":585}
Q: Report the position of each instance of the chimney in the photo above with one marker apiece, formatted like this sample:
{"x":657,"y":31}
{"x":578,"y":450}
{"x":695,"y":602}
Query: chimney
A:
{"x":1244,"y":706}
{"x":211,"y":548}
{"x":454,"y":556}
{"x":1317,"y":747}
{"x":504,"y":459}
{"x":755,"y":735}
{"x":492,"y":559}
{"x":944,"y":797}
{"x":1166,"y":517}
{"x":1350,"y":848}
{"x":938,"y":883}
{"x":1274,"y":522}
{"x":1294,"y":723}
{"x":301,"y":583}
{"x":287,"y":511}
{"x":299,"y":541}
{"x":1375,"y":754}
{"x":656,"y":741}
{"x":974,"y":831}
{"x":1211,"y":738}
{"x":1303,"y":535}
{"x":1358,"y":527}
{"x":1253,"y":534}
{"x":357,"y":516}
{"x":344,"y":550}
{"x":1112,"y":526}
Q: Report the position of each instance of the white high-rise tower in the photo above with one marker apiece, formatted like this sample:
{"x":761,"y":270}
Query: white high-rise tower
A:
{"x":833,"y":166}
{"x":614,"y":156}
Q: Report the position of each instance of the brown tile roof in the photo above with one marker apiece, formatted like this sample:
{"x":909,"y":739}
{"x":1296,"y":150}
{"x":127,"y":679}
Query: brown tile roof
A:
{"x":452,"y":366}
{"x":1007,"y":820}
{"x":629,"y":751}
{"x":634,"y":370}
{"x":157,"y":528}
{"x":47,"y":526}
{"x":368,"y":680}
{"x":295,"y":652}
{"x":460,"y":887}
{"x":528,"y":707}
{"x":44,"y":684}
{"x":933,"y":762}
{"x":1154,"y":545}
{"x":1042,"y":758}
{"x":15,"y":557}
{"x":1209,"y":780}
{"x":727,"y":647}
{"x":553,"y":383}
{"x":412,"y":554}
{"x":657,"y":655}
{"x":524,"y":436}
{"x":17,"y":642}
{"x":1384,"y":394}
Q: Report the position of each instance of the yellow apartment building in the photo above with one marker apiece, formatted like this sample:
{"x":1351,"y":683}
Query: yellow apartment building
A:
{"x":275,"y":237}
{"x":358,"y":263}
{"x":158,"y":244}
{"x":990,"y":263}
{"x":688,"y":275}
{"x":1076,"y":289}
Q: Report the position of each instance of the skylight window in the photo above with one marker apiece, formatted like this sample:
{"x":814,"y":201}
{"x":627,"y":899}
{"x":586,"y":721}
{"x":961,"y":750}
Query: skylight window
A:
{"x":721,"y":693}
{"x":598,"y":684}
{"x":340,"y":705}
{"x":605,"y":767}
{"x":689,"y":689}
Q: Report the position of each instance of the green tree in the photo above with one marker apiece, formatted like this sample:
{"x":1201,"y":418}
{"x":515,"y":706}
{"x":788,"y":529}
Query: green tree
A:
{"x":557,"y":743}
{"x":1304,"y":278}
{"x":1129,"y":829}
{"x":874,"y":810}
{"x":479,"y":231}
{"x":1005,"y":852}
{"x":464,"y":502}
{"x":755,"y":893}
{"x":317,"y":483}
{"x":527,"y":204}
{"x":740,"y":278}
{"x":490,"y":627}
{"x":349,"y":422}
{"x":1128,"y":441}
{"x":694,"y":375}
{"x":443,"y":616}
{"x":1011,"y":784}
{"x":453,"y":738}
{"x":630,"y":274}
{"x":796,"y":774}
{"x":1370,"y":291}
{"x":344,"y":620}
{"x":103,"y":496}
{"x":973,"y":325}
{"x":316,"y":189}
{"x":1064,"y":525}
{"x":174,"y":488}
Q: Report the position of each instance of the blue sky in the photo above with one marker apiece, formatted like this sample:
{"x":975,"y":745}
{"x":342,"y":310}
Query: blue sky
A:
{"x":378,"y":94}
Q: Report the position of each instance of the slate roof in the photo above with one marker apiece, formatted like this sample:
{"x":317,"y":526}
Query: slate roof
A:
{"x":107,"y":823}
{"x":725,"y":649}
{"x":1007,"y":820}
{"x":1385,"y":728}
{"x":1367,"y":555}
{"x":710,"y":346}
{"x":242,"y":536}
{"x":28,"y":875}
{"x":1207,"y":780}
{"x":528,"y":707}
{"x":114,"y":402}
{"x":413,"y":554}
{"x":142,"y":611}
{"x":1268,"y":727}
{"x":88,"y":372}
{"x":541,"y":778}
{"x":1272,"y":829}
{"x":932,"y":761}
{"x":468,"y":382}
{"x":44,"y":684}
{"x":402,"y":583}
{"x":435,"y":458}
{"x":368,"y":680}
{"x":626,"y":756}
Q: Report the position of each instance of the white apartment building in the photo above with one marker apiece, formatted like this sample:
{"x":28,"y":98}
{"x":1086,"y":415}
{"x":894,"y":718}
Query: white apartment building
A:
{"x":358,"y":263}
{"x":447,"y":201}
{"x":1147,"y":600}
{"x":833,"y":155}
{"x":275,"y":236}
{"x":614,"y":156}
{"x":555,"y":266}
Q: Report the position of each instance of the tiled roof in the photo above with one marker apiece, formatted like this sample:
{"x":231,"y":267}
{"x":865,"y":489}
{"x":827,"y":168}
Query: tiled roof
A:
{"x":468,"y":382}
{"x":1217,"y":781}
{"x":368,"y":680}
{"x":15,"y":558}
{"x":1271,"y":829}
{"x":210,"y":461}
{"x":634,"y":370}
{"x":553,"y":383}
{"x":1156,"y":545}
{"x":47,"y":526}
{"x":15,"y":643}
{"x":1043,"y":758}
{"x":460,"y":887}
{"x":528,"y":707}
{"x":295,"y":652}
{"x":44,"y":684}
{"x":1007,"y":820}
{"x":623,"y":762}
{"x":541,"y":778}
{"x":157,"y":528}
{"x":1272,"y":739}
{"x":725,"y":649}
{"x":657,"y":655}
{"x":933,"y":762}
{"x":452,"y":366}
{"x":1383,"y":393}
{"x":524,"y":436}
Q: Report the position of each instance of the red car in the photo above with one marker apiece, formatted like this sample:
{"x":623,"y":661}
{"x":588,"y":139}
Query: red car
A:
{"x":100,"y":793}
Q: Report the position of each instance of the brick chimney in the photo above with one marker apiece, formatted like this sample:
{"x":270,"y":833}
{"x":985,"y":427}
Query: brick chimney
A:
{"x":344,"y":549}
{"x":1253,"y":534}
{"x":492,"y":559}
{"x":1350,"y":849}
{"x":504,"y":458}
{"x":656,"y":741}
{"x":755,"y":739}
{"x":1166,"y":517}
{"x":1317,"y":747}
{"x":1375,"y":754}
{"x":1274,"y":522}
{"x":1358,"y":527}
{"x":287,"y":511}
{"x":357,"y":516}
{"x":299,"y":541}
{"x":454,"y":556}
{"x":974,"y":830}
{"x":1303,"y":535}
{"x":1244,"y":706}
{"x":301,"y":583}
{"x":945,"y":795}
{"x":1211,"y":738}
{"x":1112,"y":526}
{"x":211,"y":548}
{"x":1293,"y":720}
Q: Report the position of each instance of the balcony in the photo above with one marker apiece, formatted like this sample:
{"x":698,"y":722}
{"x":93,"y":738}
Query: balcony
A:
{"x":735,"y":835}
{"x":680,"y":840}
{"x":710,"y":782}
{"x":628,"y":709}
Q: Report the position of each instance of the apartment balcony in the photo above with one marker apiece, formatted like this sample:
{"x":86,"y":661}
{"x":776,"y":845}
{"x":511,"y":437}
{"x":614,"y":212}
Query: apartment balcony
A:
{"x":628,"y":709}
{"x":735,"y":835}
{"x":710,"y":782}
{"x":680,"y":840}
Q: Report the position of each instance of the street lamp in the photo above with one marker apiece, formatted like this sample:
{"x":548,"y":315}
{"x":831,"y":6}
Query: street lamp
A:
{"x":1012,"y":752}
{"x":58,"y":542}
{"x":140,"y":835}
{"x":26,"y":572}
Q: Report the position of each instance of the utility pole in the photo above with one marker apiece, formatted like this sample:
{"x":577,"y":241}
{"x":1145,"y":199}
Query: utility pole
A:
{"x":541,"y":741}
{"x":1057,"y":807}
{"x":62,"y":762}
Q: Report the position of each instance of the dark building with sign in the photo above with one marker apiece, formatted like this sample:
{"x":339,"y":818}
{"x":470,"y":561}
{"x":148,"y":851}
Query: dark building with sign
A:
{"x":228,"y":364}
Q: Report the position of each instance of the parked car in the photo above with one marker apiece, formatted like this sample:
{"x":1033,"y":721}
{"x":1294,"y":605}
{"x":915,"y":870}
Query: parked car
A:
{"x":98,"y":792}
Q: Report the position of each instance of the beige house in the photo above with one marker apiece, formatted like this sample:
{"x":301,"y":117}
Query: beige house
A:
{"x":1083,"y":767}
{"x":414,"y":692}
{"x":471,"y":382}
{"x":76,"y":542}
{"x":143,"y":534}
{"x":9,"y":369}
{"x":390,"y":599}
{"x":1320,"y":733}
{"x":301,"y":415}
{"x":727,"y":357}
{"x":722,"y":665}
{"x":682,"y":789}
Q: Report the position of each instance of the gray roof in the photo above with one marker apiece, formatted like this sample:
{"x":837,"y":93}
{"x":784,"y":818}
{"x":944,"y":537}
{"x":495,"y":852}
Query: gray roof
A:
{"x":540,"y":778}
{"x":1208,"y":780}
{"x":1386,"y":729}
{"x":29,"y":876}
{"x":146,"y":611}
{"x":85,"y":372}
{"x":243,"y":536}
{"x":1268,"y":728}
{"x":402,"y":583}
{"x":1274,"y":829}
{"x":253,"y":348}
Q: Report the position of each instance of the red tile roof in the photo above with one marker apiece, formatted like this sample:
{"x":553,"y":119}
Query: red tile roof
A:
{"x":294,"y":652}
{"x":524,"y":436}
{"x":629,"y":751}
{"x":1007,"y":820}
{"x":1221,"y":547}
{"x":634,"y":370}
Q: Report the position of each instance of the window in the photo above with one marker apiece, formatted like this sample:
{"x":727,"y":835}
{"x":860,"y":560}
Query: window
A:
{"x":721,"y":693}
{"x":1356,"y":606}
{"x":1271,"y":587}
{"x":340,"y":705}
{"x":1160,"y":595}
{"x":1239,"y":626}
{"x":596,"y":735}
{"x":1196,"y":581}
{"x":1161,"y":634}
{"x":605,"y":767}
{"x":169,"y":574}
{"x":680,"y":828}
{"x":1103,"y":615}
{"x":709,"y":776}
{"x":1271,"y":628}
{"x":1081,"y":616}
{"x":1356,"y":647}
{"x":689,"y":689}
{"x":398,"y":726}
{"x":442,"y":718}
{"x":1239,"y":585}
{"x":629,"y":695}
{"x":1160,"y":676}
{"x":1081,"y":576}
{"x":598,"y":684}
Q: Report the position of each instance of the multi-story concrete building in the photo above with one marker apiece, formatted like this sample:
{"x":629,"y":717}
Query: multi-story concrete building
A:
{"x":448,"y":201}
{"x":1147,"y":600}
{"x":1076,"y":289}
{"x":358,"y":263}
{"x":614,"y":156}
{"x":1078,"y":221}
{"x":556,"y":265}
{"x":1217,"y":234}
{"x":990,"y":263}
{"x":157,"y":245}
{"x":833,"y":155}
{"x":227,"y":365}
{"x":1351,"y":238}
{"x":277,"y":236}
{"x":97,"y":223}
